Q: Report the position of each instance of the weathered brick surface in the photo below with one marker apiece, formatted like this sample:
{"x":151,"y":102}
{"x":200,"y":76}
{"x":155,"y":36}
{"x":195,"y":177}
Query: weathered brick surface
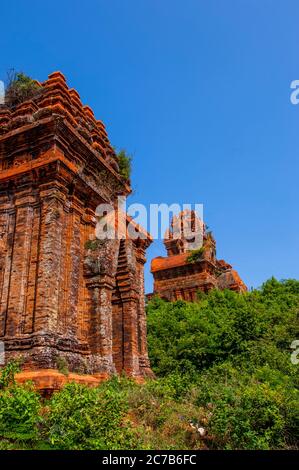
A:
{"x":60,"y":299}
{"x":176,"y":278}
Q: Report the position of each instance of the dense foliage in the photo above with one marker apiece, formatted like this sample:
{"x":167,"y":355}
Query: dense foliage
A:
{"x":235,"y":349}
{"x":222,"y":325}
{"x":225,"y":380}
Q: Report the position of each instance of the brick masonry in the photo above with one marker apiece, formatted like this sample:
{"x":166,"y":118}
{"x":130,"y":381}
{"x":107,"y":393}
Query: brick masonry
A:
{"x":62,"y":299}
{"x":178,"y":278}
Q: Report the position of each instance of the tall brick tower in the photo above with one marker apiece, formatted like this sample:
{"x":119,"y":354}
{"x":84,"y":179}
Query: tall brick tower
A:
{"x":64,"y":299}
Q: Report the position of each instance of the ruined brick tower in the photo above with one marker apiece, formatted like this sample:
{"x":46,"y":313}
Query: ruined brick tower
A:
{"x":186,"y":271}
{"x":64,"y":299}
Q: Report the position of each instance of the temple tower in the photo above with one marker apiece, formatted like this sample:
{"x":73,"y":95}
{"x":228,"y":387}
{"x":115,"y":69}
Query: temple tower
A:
{"x":65,"y":297}
{"x":191,"y":264}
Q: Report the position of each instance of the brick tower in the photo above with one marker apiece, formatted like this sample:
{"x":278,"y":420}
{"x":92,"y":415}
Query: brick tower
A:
{"x":63,"y":298}
{"x":186,"y":271}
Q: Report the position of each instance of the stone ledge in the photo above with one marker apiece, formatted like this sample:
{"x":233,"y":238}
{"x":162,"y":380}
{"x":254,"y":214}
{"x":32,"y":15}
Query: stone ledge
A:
{"x":48,"y":381}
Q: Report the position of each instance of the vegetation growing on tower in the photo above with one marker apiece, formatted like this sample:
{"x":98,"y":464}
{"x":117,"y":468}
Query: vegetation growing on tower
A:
{"x":125,"y":164}
{"x":20,"y":88}
{"x":195,"y":255}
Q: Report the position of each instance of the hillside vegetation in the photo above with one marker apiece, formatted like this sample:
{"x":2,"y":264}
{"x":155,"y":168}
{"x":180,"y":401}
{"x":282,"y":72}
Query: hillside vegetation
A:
{"x":225,"y":380}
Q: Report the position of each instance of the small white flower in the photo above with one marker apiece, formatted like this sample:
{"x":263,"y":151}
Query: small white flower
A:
{"x":201,"y":431}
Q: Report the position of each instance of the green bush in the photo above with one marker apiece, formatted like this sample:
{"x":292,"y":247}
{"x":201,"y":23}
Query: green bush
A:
{"x":19,"y":413}
{"x":248,"y":411}
{"x":125,"y":164}
{"x":21,"y":88}
{"x":195,"y":255}
{"x":249,"y":417}
{"x":89,"y":418}
{"x":162,"y":418}
{"x":7,"y":376}
{"x":94,"y":245}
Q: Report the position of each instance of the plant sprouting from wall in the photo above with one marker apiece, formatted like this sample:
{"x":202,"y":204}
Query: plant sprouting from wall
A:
{"x":195,"y":255}
{"x":125,"y":164}
{"x":20,"y":88}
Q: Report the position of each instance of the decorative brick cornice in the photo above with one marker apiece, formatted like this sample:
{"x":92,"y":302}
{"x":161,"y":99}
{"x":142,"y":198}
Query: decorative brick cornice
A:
{"x":75,"y":126}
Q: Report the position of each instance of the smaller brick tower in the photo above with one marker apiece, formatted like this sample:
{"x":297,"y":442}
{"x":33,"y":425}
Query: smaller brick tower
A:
{"x":187,"y":270}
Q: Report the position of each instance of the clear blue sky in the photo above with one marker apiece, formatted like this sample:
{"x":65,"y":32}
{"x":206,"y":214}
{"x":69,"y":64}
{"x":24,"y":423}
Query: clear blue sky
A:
{"x":198,"y":91}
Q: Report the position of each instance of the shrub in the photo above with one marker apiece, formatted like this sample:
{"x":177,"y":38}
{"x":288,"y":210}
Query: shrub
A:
{"x":164,"y":422}
{"x":94,"y":245}
{"x":195,"y":255}
{"x":89,"y":418}
{"x":20,"y":88}
{"x":125,"y":164}
{"x":7,"y":376}
{"x":62,"y":365}
{"x":19,"y":413}
{"x":246,"y":416}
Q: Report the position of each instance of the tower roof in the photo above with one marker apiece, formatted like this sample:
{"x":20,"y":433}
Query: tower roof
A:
{"x":185,"y":233}
{"x":53,"y":98}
